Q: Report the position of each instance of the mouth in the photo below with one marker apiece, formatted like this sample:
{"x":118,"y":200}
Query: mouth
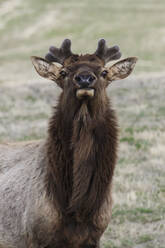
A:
{"x":85,"y":93}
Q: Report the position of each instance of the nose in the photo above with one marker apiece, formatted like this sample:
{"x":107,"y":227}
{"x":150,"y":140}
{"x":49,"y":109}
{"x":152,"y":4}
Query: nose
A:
{"x":84,"y":80}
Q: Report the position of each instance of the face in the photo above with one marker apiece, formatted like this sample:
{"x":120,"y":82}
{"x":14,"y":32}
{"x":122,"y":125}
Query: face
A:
{"x":86,"y":76}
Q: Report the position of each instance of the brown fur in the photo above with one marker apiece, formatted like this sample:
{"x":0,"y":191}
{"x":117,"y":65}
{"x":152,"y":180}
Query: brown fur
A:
{"x":59,"y":192}
{"x":82,"y":147}
{"x":82,"y":152}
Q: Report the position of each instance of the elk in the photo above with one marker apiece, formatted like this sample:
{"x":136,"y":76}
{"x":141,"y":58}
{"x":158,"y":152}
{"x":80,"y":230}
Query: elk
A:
{"x":56,"y":193}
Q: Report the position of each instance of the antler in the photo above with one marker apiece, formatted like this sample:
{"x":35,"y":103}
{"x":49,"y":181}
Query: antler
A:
{"x":103,"y":52}
{"x":59,"y":54}
{"x":107,"y":54}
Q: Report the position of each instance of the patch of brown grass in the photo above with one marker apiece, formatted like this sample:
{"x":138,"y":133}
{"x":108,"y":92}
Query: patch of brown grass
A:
{"x":138,"y":219}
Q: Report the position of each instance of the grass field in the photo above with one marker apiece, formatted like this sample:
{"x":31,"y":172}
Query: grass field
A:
{"x":29,"y":28}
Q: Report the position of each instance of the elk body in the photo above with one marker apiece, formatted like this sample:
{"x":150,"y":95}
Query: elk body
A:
{"x":57,"y":193}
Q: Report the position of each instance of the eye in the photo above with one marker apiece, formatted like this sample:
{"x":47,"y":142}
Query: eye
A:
{"x":63,"y":73}
{"x":104,"y":73}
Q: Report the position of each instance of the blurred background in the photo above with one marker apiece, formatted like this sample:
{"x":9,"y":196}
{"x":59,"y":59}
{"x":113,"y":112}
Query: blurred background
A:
{"x":30,"y":27}
{"x":138,"y":27}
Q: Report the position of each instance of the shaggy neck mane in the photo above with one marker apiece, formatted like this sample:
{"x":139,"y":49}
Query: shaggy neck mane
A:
{"x":81,"y":153}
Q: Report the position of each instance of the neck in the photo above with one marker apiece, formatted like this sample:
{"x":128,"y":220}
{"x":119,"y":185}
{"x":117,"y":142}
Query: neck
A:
{"x":81,"y":152}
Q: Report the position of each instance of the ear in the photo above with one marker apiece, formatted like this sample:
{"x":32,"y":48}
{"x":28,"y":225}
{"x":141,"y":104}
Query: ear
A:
{"x":121,"y":69}
{"x":46,"y":69}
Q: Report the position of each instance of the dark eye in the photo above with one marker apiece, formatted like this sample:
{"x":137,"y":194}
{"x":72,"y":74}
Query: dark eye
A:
{"x":63,"y":73}
{"x":104,"y":73}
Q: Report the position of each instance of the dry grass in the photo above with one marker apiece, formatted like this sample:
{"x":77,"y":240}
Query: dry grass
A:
{"x":28,"y":28}
{"x":138,"y":219}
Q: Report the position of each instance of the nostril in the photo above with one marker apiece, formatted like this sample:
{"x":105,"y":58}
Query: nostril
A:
{"x":91,"y":79}
{"x":78,"y":79}
{"x":84,"y":80}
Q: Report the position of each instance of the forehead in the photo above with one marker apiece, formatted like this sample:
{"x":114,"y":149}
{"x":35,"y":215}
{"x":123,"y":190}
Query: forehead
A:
{"x":83,"y":62}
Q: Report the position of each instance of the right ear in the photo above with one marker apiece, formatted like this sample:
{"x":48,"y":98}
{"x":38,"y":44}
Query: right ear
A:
{"x":46,"y":69}
{"x":121,"y":69}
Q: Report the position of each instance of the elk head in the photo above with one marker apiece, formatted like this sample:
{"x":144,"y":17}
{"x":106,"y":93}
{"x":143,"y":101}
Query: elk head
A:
{"x":83,"y":75}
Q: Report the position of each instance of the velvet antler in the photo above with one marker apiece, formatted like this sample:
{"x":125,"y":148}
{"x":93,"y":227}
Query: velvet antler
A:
{"x":59,"y":54}
{"x":103,"y":52}
{"x":107,"y":54}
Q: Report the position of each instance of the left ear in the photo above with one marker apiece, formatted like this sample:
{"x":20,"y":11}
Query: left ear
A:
{"x":121,"y":69}
{"x":46,"y":69}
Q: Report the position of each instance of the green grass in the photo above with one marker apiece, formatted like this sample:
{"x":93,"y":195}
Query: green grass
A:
{"x":138,"y":215}
{"x":144,"y":238}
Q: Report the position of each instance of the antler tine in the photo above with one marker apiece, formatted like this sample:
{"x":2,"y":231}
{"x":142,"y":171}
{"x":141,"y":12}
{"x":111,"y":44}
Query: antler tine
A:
{"x":59,"y":54}
{"x":107,"y":54}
